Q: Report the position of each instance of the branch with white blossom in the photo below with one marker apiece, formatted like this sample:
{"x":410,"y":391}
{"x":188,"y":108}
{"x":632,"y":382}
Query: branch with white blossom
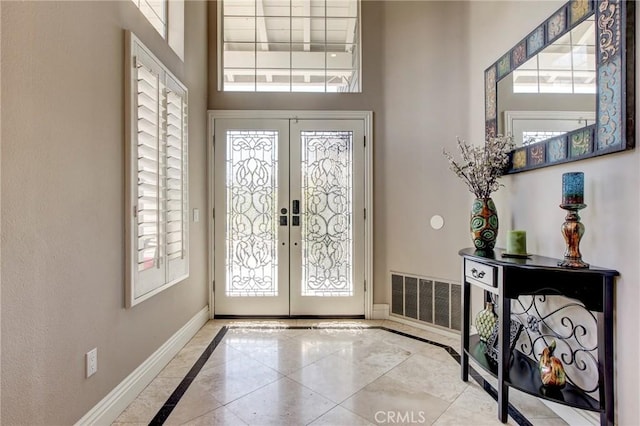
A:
{"x":481,"y":166}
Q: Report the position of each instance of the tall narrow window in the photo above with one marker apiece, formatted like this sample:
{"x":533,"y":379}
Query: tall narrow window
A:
{"x":157,"y":210}
{"x":290,"y":45}
{"x":156,"y":12}
{"x":167,"y":17}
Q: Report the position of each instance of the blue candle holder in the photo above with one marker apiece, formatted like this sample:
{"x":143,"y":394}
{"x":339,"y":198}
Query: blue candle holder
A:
{"x":573,"y":188}
{"x":572,"y":228}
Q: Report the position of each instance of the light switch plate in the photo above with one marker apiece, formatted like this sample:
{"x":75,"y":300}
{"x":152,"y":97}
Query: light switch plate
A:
{"x":92,"y":362}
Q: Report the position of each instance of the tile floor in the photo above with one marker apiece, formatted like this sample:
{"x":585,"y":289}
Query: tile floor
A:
{"x":262,"y":373}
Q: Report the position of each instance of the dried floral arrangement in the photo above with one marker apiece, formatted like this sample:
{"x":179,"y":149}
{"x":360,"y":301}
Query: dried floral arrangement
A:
{"x":482,"y":165}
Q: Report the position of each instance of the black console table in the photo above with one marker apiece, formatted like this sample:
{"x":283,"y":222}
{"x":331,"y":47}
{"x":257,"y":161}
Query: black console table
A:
{"x":509,"y":278}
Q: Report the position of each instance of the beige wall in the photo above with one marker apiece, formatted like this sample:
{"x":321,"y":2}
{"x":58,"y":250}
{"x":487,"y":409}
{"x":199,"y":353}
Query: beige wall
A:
{"x":63,"y":205}
{"x":530,"y":200}
{"x":414,"y":80}
{"x":62,"y":182}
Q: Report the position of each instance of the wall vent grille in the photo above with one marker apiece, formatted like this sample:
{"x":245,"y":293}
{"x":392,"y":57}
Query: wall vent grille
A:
{"x":428,"y":300}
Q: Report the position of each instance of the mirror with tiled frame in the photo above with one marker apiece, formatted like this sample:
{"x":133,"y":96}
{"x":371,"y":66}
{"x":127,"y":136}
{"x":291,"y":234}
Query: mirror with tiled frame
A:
{"x":611,"y":126}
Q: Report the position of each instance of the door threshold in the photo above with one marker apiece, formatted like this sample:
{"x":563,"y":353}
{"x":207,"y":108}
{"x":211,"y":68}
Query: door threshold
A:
{"x":257,"y":317}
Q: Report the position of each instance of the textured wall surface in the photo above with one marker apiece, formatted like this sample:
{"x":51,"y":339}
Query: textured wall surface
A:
{"x":63,"y":205}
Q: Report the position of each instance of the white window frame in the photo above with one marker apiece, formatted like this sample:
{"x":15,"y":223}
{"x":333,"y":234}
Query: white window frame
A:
{"x":357,"y":80}
{"x":168,"y":141}
{"x":172,"y":23}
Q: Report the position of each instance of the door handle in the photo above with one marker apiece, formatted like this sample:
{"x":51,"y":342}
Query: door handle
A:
{"x":283,"y":218}
{"x":295,"y":211}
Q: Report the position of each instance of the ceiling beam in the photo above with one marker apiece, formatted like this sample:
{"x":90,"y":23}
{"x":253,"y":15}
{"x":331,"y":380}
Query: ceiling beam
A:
{"x":351,"y":26}
{"x":262,"y":37}
{"x":306,"y":24}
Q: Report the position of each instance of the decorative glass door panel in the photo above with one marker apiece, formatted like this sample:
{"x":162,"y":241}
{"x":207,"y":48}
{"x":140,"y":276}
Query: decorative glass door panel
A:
{"x":327,"y":207}
{"x":251,"y":248}
{"x":289,"y":226}
{"x":252,"y":213}
{"x":327,"y":249}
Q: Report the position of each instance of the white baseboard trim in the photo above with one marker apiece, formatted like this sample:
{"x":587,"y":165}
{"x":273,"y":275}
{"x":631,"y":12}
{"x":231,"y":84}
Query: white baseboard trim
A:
{"x":116,"y":401}
{"x":573,"y":416}
{"x":424,"y":326}
{"x":380,"y":311}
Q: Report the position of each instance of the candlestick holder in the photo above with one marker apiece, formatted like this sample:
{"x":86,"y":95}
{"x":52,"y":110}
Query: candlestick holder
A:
{"x":572,"y":230}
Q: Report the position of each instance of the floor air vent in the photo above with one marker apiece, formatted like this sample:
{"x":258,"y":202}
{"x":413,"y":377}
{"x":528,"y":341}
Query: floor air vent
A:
{"x":426,"y":299}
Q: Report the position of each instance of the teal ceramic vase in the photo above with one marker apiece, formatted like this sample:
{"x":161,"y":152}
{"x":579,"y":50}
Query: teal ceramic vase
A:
{"x":484,"y":224}
{"x":485,"y":322}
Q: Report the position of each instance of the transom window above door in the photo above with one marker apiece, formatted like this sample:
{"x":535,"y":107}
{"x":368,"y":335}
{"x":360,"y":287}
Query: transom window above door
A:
{"x":289,"y":45}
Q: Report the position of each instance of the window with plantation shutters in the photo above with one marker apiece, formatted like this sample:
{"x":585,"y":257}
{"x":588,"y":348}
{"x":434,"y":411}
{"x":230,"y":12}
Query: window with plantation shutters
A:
{"x":176,"y":177}
{"x":157,"y":255}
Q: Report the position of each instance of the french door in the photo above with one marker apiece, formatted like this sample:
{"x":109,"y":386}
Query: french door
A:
{"x":289,"y":224}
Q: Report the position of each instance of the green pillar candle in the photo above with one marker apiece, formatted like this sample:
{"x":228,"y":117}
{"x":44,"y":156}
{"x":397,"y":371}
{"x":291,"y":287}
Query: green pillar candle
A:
{"x":517,"y":242}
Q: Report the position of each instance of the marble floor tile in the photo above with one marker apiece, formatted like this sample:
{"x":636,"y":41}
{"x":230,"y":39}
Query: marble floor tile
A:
{"x":234,"y":379}
{"x":339,"y":416}
{"x":388,"y":400}
{"x":129,"y":424}
{"x":336,"y":378}
{"x":435,"y":352}
{"x":476,"y":400}
{"x":223,"y":353}
{"x":530,"y":406}
{"x":180,"y":365}
{"x":548,"y":421}
{"x":196,"y":401}
{"x":219,"y":417}
{"x":150,"y":400}
{"x":447,"y":338}
{"x":283,"y":402}
{"x":431,"y":376}
{"x":339,"y":372}
{"x":457,"y":416}
{"x":377,"y":355}
{"x":294,"y":354}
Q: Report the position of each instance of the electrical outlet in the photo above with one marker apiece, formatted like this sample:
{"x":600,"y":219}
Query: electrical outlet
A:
{"x":92,"y":362}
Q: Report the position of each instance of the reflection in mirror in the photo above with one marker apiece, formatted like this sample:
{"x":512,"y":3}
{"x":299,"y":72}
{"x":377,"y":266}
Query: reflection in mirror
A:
{"x":553,"y":92}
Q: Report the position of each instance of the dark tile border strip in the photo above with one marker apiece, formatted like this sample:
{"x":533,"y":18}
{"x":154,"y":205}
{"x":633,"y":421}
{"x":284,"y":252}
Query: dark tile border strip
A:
{"x":164,"y":412}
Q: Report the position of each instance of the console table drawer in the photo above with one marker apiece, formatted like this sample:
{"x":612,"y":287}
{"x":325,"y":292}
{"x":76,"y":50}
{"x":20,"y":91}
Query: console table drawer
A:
{"x":485,"y":274}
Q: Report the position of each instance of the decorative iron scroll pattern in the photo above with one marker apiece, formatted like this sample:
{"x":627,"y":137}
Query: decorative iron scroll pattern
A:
{"x":252,"y":171}
{"x":571,"y":325}
{"x":327,"y":208}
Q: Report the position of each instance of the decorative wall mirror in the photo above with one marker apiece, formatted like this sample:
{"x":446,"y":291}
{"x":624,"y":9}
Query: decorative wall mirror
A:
{"x":566,"y":91}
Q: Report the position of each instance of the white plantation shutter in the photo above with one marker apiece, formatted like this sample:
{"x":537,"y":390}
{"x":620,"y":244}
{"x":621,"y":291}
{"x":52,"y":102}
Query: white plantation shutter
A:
{"x":158,"y":226}
{"x":177,"y":178}
{"x":148,"y":157}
